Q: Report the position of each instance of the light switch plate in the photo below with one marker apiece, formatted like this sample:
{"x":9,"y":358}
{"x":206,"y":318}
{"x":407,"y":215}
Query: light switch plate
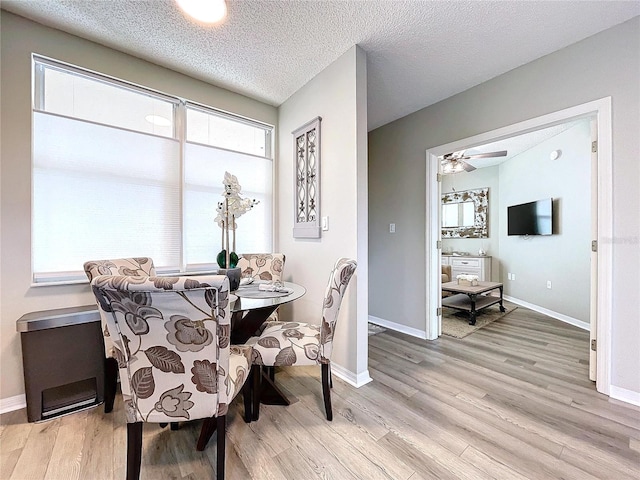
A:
{"x":325,"y":224}
{"x":392,"y":228}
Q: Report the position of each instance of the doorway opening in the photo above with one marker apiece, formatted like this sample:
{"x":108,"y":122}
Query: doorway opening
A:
{"x":601,"y":226}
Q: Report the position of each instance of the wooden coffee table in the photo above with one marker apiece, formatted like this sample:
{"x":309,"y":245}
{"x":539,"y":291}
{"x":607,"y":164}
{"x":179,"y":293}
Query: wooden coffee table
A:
{"x":471,"y":299}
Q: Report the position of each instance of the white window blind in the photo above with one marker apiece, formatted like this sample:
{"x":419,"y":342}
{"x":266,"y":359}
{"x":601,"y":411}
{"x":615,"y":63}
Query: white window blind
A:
{"x":204,"y":171}
{"x":113,"y":176}
{"x":101,"y":192}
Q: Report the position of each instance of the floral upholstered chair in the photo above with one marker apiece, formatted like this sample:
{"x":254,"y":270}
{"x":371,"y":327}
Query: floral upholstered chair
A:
{"x":140,"y":266}
{"x":293,"y":343}
{"x":171,"y":339}
{"x":263,"y":266}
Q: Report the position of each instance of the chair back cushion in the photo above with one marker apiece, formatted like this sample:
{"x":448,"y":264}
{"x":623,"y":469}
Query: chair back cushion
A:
{"x":262,"y":266}
{"x":139,"y":266}
{"x":172,"y":344}
{"x":338,"y":281}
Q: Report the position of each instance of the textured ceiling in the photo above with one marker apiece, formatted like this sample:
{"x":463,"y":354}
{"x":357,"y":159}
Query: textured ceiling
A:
{"x":418,"y":52}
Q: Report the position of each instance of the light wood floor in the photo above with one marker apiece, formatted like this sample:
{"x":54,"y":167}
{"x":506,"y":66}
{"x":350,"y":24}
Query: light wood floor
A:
{"x":511,"y":401}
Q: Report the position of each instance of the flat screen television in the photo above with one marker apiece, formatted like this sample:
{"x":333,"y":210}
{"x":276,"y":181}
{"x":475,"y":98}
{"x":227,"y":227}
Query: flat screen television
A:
{"x":532,"y":218}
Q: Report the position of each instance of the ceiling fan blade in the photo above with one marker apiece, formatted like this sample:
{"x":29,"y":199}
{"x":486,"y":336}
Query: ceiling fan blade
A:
{"x":502,"y":153}
{"x":467,"y":167}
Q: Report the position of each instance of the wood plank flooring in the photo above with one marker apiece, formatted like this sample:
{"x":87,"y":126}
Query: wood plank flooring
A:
{"x":511,"y":401}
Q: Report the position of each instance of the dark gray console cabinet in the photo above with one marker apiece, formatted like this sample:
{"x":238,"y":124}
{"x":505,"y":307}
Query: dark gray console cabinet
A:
{"x":63,"y":358}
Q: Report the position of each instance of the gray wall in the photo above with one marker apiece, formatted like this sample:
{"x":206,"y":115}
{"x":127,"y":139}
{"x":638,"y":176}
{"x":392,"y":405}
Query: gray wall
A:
{"x":336,"y":95}
{"x":21,"y":37}
{"x":606,"y":64}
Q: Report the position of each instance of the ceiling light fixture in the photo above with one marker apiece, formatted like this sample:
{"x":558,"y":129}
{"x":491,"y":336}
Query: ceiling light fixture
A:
{"x":452,"y":166}
{"x":455,"y":162}
{"x":206,"y":11}
{"x":158,"y":120}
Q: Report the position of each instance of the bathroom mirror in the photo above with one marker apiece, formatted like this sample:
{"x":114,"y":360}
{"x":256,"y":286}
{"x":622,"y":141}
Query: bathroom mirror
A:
{"x":464,"y":214}
{"x":458,"y":214}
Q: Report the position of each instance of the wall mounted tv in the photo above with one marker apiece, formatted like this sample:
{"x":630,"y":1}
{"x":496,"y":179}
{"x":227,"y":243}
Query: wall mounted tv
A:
{"x":532,"y":218}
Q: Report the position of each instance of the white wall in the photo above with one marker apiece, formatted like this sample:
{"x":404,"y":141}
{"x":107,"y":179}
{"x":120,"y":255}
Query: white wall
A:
{"x":606,"y":64}
{"x":338,"y":95}
{"x":19,"y":39}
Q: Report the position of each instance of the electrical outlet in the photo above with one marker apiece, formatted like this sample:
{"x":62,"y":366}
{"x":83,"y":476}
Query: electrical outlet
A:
{"x":549,"y":284}
{"x":392,"y":228}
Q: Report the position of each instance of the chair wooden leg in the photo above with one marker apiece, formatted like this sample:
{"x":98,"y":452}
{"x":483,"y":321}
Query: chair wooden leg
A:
{"x":110,"y":383}
{"x":247,"y":394}
{"x":208,"y":427}
{"x":256,"y":374}
{"x":330,"y":377}
{"x":134,"y":450}
{"x":326,"y":390}
{"x":222,"y":420}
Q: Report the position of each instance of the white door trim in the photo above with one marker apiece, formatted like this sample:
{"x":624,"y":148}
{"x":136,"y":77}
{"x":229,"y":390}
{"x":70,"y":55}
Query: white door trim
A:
{"x":604,"y":180}
{"x":433,"y":258}
{"x":593,"y":307}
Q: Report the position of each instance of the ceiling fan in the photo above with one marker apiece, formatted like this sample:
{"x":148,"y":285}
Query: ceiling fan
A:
{"x":455,"y":162}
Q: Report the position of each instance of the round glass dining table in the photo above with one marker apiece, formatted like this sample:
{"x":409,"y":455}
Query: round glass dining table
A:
{"x":251,"y":307}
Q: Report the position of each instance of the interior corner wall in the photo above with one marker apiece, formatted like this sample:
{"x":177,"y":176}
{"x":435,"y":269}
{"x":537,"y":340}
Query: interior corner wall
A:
{"x":19,"y":39}
{"x":332,"y":95}
{"x":606,"y":64}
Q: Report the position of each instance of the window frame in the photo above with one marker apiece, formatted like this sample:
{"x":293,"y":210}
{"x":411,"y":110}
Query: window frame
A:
{"x":180,"y":106}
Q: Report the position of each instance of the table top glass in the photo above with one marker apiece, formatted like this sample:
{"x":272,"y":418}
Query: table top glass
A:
{"x":240,"y":303}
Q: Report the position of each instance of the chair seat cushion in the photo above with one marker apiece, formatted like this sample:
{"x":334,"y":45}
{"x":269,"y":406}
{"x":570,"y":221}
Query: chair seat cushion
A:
{"x":287,"y":344}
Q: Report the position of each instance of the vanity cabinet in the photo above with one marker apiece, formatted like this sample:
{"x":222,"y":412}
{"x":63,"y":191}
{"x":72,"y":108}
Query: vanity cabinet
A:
{"x":469,"y":265}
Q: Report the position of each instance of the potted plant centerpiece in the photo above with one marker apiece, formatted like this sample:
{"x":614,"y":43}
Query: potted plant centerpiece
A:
{"x":231,"y":207}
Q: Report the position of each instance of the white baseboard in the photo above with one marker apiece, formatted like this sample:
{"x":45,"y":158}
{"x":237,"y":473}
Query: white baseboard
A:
{"x":357,"y":380}
{"x":550,"y":313}
{"x":13,"y":403}
{"x":414,"y":332}
{"x":624,"y":395}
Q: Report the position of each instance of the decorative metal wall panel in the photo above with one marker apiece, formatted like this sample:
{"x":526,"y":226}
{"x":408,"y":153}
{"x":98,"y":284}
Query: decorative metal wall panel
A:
{"x":306,"y":141}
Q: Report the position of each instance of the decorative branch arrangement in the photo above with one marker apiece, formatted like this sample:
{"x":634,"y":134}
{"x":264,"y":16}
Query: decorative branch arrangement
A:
{"x":232,"y":207}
